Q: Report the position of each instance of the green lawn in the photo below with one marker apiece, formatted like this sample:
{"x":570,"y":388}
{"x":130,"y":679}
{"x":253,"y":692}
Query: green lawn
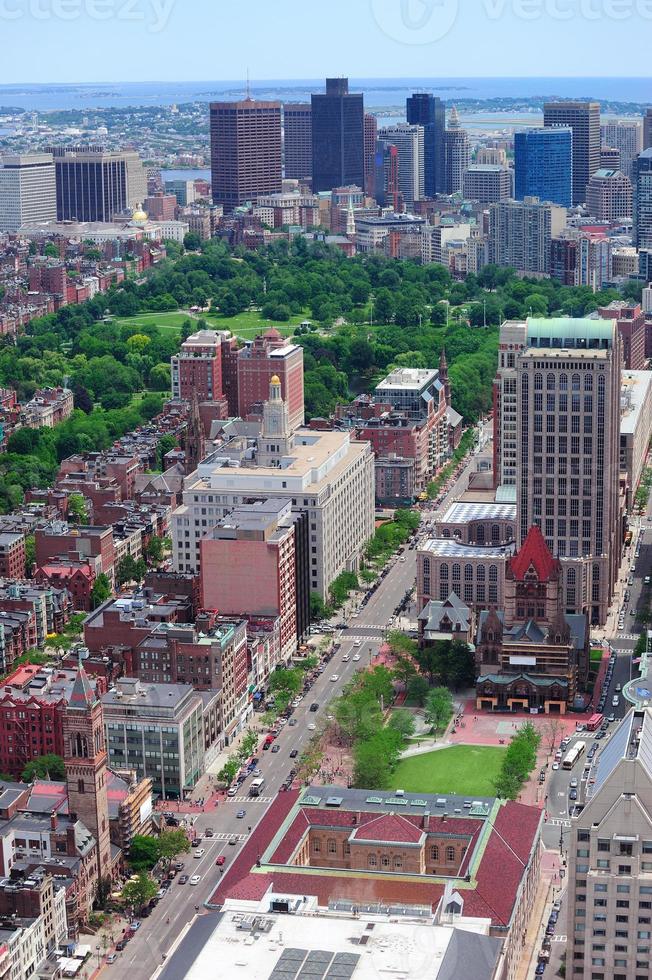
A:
{"x":469,"y":770}
{"x":250,"y":323}
{"x":164,"y":321}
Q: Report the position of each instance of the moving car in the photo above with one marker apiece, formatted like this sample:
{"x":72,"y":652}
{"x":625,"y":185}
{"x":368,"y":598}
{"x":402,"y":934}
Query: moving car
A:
{"x":183,"y":879}
{"x":357,"y":643}
{"x":312,"y":726}
{"x":276,"y":748}
{"x":356,"y":658}
{"x":334,"y":678}
{"x":199,"y":853}
{"x":195,"y":879}
{"x":233,"y":841}
{"x":294,"y":753}
{"x":220,"y":861}
{"x":241,"y":814}
{"x":314,"y":706}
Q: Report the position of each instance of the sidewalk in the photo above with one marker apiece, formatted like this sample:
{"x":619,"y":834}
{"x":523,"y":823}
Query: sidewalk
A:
{"x":549,"y":888}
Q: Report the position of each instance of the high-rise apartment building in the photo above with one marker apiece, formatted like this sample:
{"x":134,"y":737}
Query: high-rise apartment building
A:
{"x":625,"y":135}
{"x":27,"y":190}
{"x":521,"y":232}
{"x":643,"y":201}
{"x":246,"y":151}
{"x":609,"y":158}
{"x":609,"y":196}
{"x":386,"y":187}
{"x":197,"y":368}
{"x":488,"y":183}
{"x":584,"y":120}
{"x":543,"y":165}
{"x":337,"y":137}
{"x":297,"y":140}
{"x":94,"y":184}
{"x":647,"y":130}
{"x":609,"y":847}
{"x":370,"y":140}
{"x":269,"y":355}
{"x":557,"y":430}
{"x":409,"y":142}
{"x":429,"y":111}
{"x":457,"y":154}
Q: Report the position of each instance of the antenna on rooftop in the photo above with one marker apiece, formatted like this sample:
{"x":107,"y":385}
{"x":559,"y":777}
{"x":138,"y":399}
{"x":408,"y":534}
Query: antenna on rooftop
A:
{"x":248,"y":88}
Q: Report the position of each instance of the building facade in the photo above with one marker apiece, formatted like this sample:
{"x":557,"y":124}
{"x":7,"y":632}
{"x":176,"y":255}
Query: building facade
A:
{"x":94,"y":184}
{"x":267,"y":356}
{"x":429,"y":112}
{"x":337,"y":137}
{"x":457,"y":154}
{"x":27,"y":190}
{"x":583,"y":118}
{"x":409,"y":143}
{"x":521,"y":232}
{"x":487,"y":183}
{"x":609,"y":196}
{"x":297,"y":140}
{"x":543,"y":165}
{"x":643,"y":201}
{"x":246,"y":151}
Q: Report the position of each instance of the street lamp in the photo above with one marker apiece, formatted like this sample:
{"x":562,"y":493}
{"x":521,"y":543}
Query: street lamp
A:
{"x":98,"y":950}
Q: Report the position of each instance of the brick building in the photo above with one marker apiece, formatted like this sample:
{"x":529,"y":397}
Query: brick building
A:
{"x":92,"y":546}
{"x":269,"y":355}
{"x":630,"y":319}
{"x":12,"y":554}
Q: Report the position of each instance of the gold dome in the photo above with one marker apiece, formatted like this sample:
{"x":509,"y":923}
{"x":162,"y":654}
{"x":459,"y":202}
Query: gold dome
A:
{"x":275,"y":379}
{"x":139,"y":216}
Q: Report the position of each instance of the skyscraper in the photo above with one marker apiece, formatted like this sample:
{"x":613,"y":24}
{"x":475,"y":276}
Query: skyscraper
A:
{"x":409,"y":141}
{"x":521,"y":232}
{"x":370,"y":139}
{"x":386,"y":189}
{"x":609,"y":842}
{"x":643,"y":200}
{"x":297,"y":140}
{"x":429,"y":111}
{"x":627,"y":136}
{"x":609,"y":196}
{"x":543,"y":165}
{"x":457,"y":154}
{"x":647,"y":130}
{"x":246,"y":151}
{"x":94,"y":184}
{"x":557,"y":437}
{"x":27,"y":190}
{"x":584,"y":120}
{"x":337,"y":137}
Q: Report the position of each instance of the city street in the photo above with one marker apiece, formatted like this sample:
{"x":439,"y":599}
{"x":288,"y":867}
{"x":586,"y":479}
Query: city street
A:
{"x":145,"y":951}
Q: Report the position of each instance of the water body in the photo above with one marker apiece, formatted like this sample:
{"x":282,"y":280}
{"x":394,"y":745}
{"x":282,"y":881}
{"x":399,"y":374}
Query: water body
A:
{"x":186,"y":174}
{"x":379,"y":93}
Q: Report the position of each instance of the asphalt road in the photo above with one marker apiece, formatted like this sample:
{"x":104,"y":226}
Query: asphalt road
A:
{"x":145,"y":952}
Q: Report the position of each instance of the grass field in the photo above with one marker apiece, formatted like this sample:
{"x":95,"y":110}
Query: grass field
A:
{"x":245,"y":325}
{"x":250,"y":323}
{"x":164,"y":321}
{"x":469,"y":770}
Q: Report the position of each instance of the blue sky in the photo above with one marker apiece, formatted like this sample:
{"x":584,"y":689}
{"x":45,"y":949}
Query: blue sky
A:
{"x":124,"y":40}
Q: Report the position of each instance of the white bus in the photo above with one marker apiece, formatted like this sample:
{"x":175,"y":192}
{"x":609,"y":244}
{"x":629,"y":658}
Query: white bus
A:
{"x":573,"y":755}
{"x":256,"y":786}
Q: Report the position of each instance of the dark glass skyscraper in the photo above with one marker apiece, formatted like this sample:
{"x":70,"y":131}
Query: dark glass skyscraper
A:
{"x":643,"y":201}
{"x":429,"y":111}
{"x":543,"y":165}
{"x":337,"y":137}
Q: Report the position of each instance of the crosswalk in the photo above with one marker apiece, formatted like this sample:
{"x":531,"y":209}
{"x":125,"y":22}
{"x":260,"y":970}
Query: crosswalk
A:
{"x":366,"y":638}
{"x":251,"y":799}
{"x":223,"y":837}
{"x":558,"y":822}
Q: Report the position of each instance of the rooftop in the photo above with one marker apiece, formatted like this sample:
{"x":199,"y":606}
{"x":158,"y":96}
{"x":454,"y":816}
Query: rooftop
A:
{"x":570,"y":333}
{"x":635,"y":388}
{"x":461,"y":512}
{"x":408,"y":378}
{"x":264,"y":945}
{"x":446,"y":548}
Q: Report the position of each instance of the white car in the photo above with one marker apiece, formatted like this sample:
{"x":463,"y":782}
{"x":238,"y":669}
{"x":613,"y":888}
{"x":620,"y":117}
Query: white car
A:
{"x":312,"y":726}
{"x":356,"y":658}
{"x":334,"y":677}
{"x":199,"y":853}
{"x":402,"y":558}
{"x":357,"y":643}
{"x":194,"y":879}
{"x":555,"y":765}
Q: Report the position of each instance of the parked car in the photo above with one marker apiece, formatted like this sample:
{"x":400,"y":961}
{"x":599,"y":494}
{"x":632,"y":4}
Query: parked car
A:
{"x":111,"y":958}
{"x":121,"y":944}
{"x":183,"y":879}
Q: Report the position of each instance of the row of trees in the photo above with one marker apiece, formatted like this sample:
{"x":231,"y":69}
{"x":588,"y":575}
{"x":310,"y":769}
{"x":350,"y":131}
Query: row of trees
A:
{"x":449,"y":663}
{"x":519,"y":761}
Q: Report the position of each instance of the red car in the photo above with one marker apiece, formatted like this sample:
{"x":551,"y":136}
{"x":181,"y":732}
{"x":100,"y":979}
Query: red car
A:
{"x":220,"y":861}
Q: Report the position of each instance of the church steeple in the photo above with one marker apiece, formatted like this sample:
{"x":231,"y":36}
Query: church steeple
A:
{"x":85,"y":761}
{"x":443,"y":375}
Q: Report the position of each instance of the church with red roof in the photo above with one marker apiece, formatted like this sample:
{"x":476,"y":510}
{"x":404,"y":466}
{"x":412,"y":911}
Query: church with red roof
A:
{"x":532,"y":654}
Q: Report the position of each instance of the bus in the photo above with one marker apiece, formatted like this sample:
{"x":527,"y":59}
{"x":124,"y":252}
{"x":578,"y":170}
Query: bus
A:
{"x":594,"y":722}
{"x":256,"y":787}
{"x":573,"y":755}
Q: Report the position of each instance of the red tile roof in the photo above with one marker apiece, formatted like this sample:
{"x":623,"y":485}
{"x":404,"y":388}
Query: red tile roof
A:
{"x":390,"y":827}
{"x":534,"y":551}
{"x":498,"y":877}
